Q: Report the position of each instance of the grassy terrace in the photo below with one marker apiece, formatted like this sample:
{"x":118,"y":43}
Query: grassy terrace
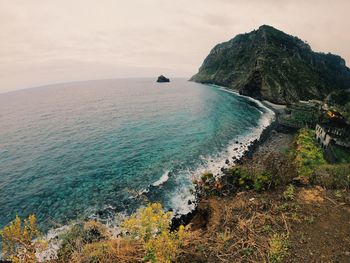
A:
{"x":311,"y":164}
{"x":308,"y":155}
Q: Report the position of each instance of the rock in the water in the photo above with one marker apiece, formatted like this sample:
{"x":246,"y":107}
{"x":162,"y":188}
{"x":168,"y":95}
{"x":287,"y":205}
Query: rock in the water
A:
{"x":161,"y":78}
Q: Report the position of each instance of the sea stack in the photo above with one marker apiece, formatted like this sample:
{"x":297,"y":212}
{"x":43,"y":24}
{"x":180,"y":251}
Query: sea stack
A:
{"x":161,"y":79}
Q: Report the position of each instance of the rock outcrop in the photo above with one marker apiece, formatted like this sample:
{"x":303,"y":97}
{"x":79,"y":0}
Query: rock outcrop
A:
{"x":269,"y":64}
{"x":161,"y":78}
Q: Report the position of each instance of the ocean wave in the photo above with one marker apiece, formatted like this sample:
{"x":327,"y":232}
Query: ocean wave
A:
{"x":183,"y":201}
{"x":162,"y":179}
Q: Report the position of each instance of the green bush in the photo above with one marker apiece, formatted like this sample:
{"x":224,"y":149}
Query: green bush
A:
{"x":240,"y":178}
{"x":243,"y":178}
{"x":332,"y":176}
{"x":262,"y":181}
{"x":207,"y":176}
{"x":77,"y":237}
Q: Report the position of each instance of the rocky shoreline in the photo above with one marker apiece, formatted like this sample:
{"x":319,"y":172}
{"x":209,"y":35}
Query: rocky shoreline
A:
{"x":267,"y":134}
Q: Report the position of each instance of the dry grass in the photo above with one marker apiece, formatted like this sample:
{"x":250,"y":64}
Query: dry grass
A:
{"x":92,"y":242}
{"x":237,"y":229}
{"x":117,"y":250}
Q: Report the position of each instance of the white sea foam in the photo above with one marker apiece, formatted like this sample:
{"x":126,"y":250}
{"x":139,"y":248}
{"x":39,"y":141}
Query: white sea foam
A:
{"x":162,"y":179}
{"x":53,"y":243}
{"x":180,"y":201}
{"x":214,"y":163}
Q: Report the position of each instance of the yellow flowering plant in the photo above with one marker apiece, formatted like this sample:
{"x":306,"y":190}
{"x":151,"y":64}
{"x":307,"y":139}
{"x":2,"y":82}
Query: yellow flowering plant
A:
{"x":151,"y":226}
{"x":20,"y":241}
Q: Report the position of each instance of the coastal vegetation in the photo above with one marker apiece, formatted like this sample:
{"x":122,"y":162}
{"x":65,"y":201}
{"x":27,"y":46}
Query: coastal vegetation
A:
{"x":151,"y":227}
{"x":20,"y":240}
{"x":308,"y":155}
{"x":313,"y":167}
{"x":145,"y":237}
{"x":266,"y":224}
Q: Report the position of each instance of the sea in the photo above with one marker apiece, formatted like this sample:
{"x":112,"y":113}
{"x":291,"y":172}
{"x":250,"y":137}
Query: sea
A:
{"x":98,"y":148}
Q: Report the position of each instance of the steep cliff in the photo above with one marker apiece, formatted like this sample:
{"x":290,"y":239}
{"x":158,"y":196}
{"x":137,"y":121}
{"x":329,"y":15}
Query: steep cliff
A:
{"x":272,"y":65}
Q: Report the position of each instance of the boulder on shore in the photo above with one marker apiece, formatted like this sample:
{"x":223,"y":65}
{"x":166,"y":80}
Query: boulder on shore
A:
{"x":161,"y":78}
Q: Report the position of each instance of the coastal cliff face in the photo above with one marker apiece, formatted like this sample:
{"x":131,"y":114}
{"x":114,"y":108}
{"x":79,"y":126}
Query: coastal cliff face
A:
{"x":268,"y":64}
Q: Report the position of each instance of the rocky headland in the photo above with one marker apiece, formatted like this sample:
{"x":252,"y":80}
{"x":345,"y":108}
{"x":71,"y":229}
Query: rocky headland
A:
{"x":269,"y":64}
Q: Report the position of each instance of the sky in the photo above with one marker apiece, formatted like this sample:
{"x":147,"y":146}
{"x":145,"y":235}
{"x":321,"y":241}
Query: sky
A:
{"x":51,"y":41}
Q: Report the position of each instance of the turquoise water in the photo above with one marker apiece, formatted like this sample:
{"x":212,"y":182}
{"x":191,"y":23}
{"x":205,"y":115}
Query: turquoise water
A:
{"x":93,"y":148}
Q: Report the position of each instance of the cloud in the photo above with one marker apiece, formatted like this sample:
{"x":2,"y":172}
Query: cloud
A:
{"x":56,"y":41}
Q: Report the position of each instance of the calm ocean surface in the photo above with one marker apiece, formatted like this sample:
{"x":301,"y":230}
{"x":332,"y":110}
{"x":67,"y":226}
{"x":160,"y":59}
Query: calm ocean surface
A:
{"x":92,"y":148}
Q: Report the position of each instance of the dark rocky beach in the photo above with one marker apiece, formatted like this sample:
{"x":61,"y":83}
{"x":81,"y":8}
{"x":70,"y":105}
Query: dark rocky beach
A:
{"x":273,"y":138}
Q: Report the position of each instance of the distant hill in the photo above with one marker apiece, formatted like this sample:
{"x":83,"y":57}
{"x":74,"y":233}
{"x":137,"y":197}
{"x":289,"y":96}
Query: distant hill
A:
{"x":271,"y":65}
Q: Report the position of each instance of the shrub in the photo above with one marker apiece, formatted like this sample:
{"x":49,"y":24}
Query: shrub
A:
{"x":241,"y":177}
{"x":262,"y":181}
{"x":20,"y":241}
{"x":332,"y":176}
{"x":206,"y":179}
{"x":94,"y":231}
{"x":281,"y":168}
{"x":72,"y":242}
{"x":207,"y":176}
{"x":77,"y":237}
{"x":151,"y":227}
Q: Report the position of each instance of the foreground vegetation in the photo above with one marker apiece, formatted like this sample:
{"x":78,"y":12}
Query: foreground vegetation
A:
{"x":145,"y":236}
{"x":20,"y":240}
{"x":259,"y":211}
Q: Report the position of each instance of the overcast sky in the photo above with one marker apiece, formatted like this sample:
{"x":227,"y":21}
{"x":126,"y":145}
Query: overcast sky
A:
{"x":50,"y":41}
